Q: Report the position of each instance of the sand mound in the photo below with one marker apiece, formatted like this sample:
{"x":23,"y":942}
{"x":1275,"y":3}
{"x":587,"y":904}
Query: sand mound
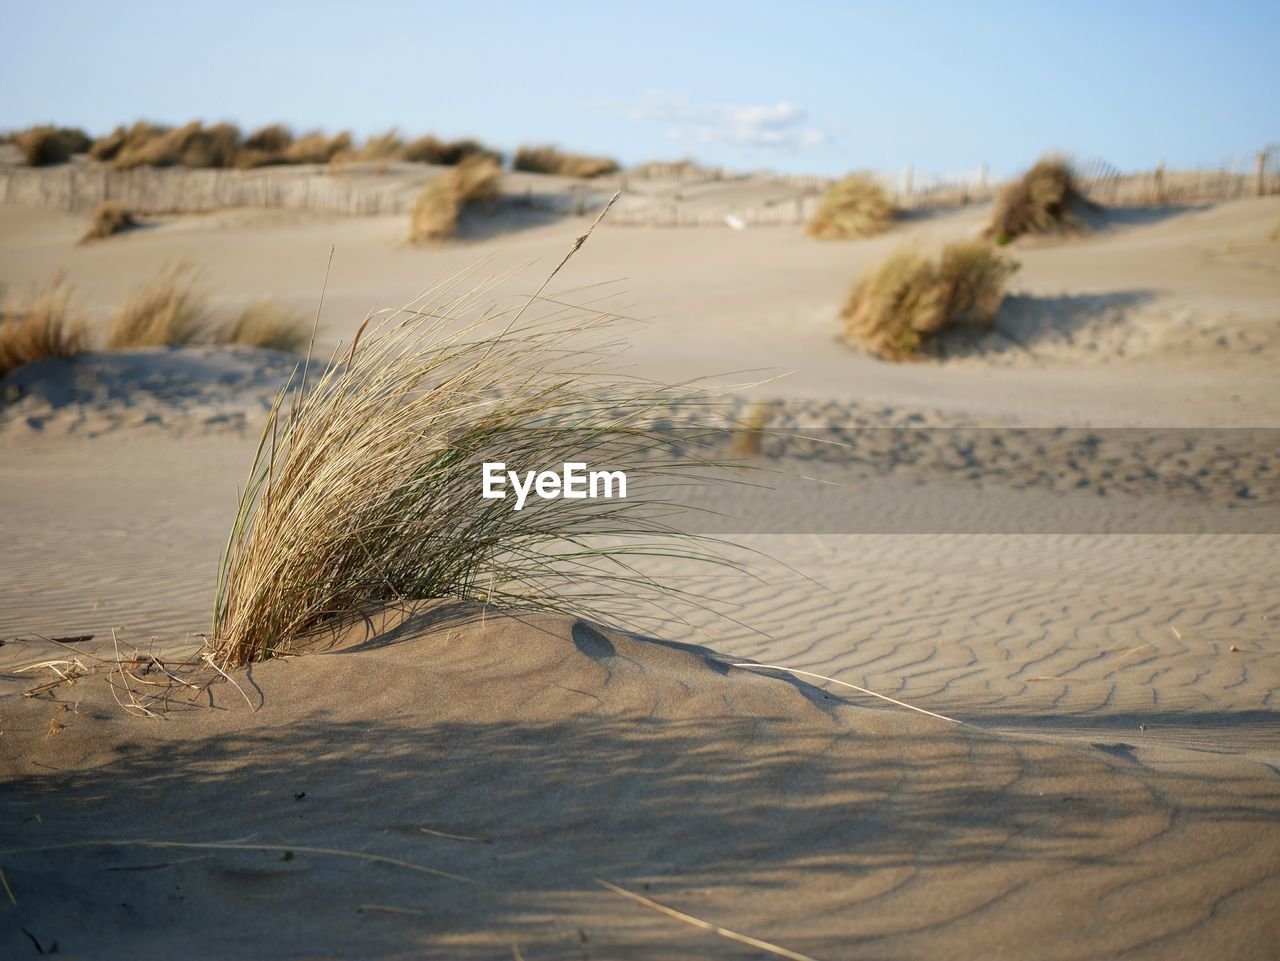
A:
{"x":448,"y":782}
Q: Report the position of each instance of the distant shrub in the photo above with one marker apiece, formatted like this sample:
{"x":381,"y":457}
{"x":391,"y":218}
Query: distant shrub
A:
{"x":45,"y":327}
{"x":165,"y":311}
{"x":111,"y":217}
{"x":316,"y":148}
{"x":433,"y":150}
{"x":45,"y":145}
{"x":1044,"y":200}
{"x":274,"y":138}
{"x":856,"y":206}
{"x":389,"y":146}
{"x":192,"y":145}
{"x":268,"y":324}
{"x":550,"y":160}
{"x":435,"y":215}
{"x":892,"y":312}
{"x":107,"y":148}
{"x":264,"y":146}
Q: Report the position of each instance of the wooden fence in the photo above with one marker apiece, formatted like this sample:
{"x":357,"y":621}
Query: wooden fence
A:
{"x":689,"y":198}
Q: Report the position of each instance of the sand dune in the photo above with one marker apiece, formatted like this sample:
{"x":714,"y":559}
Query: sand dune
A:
{"x":1097,"y":616}
{"x":532,"y":758}
{"x":1133,"y":325}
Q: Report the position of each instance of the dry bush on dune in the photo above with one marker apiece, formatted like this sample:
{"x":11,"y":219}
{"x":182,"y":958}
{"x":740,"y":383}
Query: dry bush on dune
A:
{"x":111,"y":217}
{"x":366,"y":492}
{"x":44,"y":327}
{"x":274,"y":138}
{"x":856,"y":206}
{"x":447,"y":153}
{"x":264,"y":146}
{"x":166,"y":311}
{"x":44,"y":145}
{"x":268,"y":324}
{"x":1044,"y":200}
{"x":132,"y":139}
{"x":550,"y":160}
{"x":892,"y":312}
{"x":888,"y":311}
{"x":316,"y":148}
{"x":972,"y":277}
{"x":193,"y":145}
{"x":436,"y":212}
{"x":389,"y":146}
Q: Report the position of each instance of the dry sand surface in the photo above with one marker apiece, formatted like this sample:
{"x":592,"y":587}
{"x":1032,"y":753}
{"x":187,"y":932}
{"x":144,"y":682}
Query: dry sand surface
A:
{"x":448,"y":781}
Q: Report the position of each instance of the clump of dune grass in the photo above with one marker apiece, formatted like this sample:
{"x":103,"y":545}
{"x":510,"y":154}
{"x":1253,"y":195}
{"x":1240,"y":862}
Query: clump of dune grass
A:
{"x":193,"y":145}
{"x":432,"y":150}
{"x":125,"y":139}
{"x":46,"y":326}
{"x":1045,"y":200}
{"x":167,"y":311}
{"x":46,"y":144}
{"x":972,"y":278}
{"x":317,"y":148}
{"x":273,"y":139}
{"x":268,"y":324}
{"x":367,"y":491}
{"x":857,"y":206}
{"x":550,"y":160}
{"x":110,"y":217}
{"x":894,"y":311}
{"x":436,"y":212}
{"x":388,"y":146}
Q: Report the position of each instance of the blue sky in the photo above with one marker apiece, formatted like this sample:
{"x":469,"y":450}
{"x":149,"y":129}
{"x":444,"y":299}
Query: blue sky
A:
{"x":817,"y":87}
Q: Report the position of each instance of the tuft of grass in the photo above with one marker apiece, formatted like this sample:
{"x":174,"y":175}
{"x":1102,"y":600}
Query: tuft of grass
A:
{"x":448,"y":153}
{"x":166,"y":311}
{"x":856,"y":206}
{"x":46,"y":326}
{"x":436,"y":212}
{"x":892,"y":312}
{"x":366,"y":492}
{"x":972,"y":278}
{"x":111,"y":217}
{"x":192,"y":145}
{"x":265,"y":146}
{"x":1044,"y":200}
{"x":389,"y":146}
{"x":316,"y":148}
{"x":550,"y":160}
{"x":131,"y":139}
{"x":44,"y":145}
{"x":268,"y":324}
{"x":273,"y":139}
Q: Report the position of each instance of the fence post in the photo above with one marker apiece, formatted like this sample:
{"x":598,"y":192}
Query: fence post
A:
{"x":1261,"y":185}
{"x":1159,"y":186}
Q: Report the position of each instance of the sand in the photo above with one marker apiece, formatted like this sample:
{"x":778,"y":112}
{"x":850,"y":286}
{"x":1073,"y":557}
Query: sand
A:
{"x":1109,"y":784}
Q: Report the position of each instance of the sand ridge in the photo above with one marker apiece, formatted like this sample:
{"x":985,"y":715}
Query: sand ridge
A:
{"x":565,"y":753}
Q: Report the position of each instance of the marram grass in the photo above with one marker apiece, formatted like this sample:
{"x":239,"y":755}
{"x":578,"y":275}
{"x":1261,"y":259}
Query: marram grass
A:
{"x":367,"y":491}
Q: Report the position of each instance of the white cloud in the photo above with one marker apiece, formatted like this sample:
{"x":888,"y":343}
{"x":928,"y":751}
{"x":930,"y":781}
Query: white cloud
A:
{"x":778,"y":126}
